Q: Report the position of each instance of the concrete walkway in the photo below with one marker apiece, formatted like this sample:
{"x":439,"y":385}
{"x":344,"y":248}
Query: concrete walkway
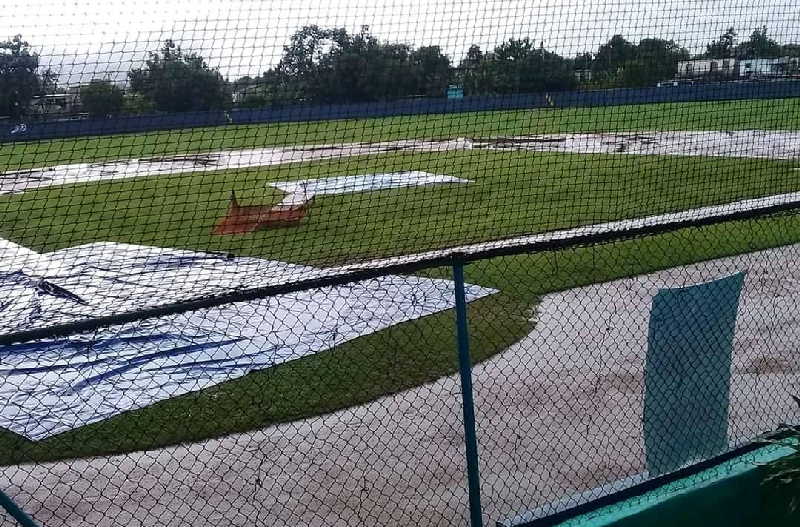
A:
{"x":559,"y":412}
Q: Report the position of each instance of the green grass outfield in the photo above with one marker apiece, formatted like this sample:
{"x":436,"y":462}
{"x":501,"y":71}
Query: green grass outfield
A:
{"x":512,"y":193}
{"x":768,"y":114}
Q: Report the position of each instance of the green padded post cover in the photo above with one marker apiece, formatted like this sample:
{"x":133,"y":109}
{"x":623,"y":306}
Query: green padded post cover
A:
{"x":687,"y":373}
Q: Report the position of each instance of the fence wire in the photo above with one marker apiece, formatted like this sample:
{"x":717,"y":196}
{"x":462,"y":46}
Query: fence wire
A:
{"x":231,"y":239}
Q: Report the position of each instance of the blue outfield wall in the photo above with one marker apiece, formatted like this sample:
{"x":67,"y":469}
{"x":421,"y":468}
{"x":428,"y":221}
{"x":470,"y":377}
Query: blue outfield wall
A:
{"x":298,"y":113}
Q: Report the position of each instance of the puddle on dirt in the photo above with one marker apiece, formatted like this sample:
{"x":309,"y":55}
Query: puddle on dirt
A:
{"x":199,"y":160}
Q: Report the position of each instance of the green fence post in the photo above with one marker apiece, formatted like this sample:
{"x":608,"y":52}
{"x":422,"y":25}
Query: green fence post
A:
{"x":468,"y":405}
{"x":13,"y":509}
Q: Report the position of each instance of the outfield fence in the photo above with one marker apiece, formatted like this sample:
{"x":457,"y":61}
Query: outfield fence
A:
{"x":282,"y":113}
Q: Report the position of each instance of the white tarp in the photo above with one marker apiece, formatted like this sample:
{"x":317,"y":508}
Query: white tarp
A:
{"x":54,"y":386}
{"x":362,"y":183}
{"x":760,"y":144}
{"x":16,"y":181}
{"x":757,"y":144}
{"x":300,"y":191}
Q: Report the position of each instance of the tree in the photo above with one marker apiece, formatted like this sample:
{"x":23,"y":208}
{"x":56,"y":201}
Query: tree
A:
{"x":255,"y":99}
{"x":18,"y":79}
{"x":518,"y":66}
{"x":758,"y":46}
{"x":473,"y":72}
{"x":361,"y":68}
{"x":583,"y":61}
{"x":177,"y":82}
{"x":654,"y":60}
{"x":612,"y":55}
{"x":298,"y":72}
{"x":432,"y":71}
{"x":255,"y":92}
{"x":723,"y":47}
{"x":621,"y":63}
{"x":136,"y":104}
{"x":101,"y":98}
{"x":48,"y":82}
{"x":790,"y":50}
{"x":331,"y":65}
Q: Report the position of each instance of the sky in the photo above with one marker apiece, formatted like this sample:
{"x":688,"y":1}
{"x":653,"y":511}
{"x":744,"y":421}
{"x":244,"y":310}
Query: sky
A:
{"x":90,"y":38}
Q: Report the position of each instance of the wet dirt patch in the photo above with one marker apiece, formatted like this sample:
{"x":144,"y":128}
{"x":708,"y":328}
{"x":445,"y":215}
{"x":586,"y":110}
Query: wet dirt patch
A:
{"x":32,"y":174}
{"x":746,"y":143}
{"x":527,"y":140}
{"x":199,"y":159}
{"x":764,"y":365}
{"x":621,"y":381}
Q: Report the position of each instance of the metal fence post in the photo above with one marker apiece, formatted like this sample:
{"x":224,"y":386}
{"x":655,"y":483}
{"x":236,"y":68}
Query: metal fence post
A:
{"x":468,"y":405}
{"x":15,"y":512}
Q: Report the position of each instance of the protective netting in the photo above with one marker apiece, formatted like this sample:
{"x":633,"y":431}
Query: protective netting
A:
{"x":231,"y":237}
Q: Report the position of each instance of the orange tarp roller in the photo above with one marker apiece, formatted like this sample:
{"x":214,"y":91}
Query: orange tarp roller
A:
{"x":249,"y":218}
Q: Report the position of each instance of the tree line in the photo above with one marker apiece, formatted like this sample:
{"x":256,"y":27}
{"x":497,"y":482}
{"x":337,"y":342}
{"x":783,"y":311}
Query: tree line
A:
{"x":332,"y":65}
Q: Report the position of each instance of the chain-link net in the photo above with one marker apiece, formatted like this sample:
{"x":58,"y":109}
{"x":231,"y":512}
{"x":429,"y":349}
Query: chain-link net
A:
{"x":604,"y":393}
{"x":231,"y":239}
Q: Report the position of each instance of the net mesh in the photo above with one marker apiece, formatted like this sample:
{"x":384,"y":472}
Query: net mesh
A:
{"x":228,"y":232}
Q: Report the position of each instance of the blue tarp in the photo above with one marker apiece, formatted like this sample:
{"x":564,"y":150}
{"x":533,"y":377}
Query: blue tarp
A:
{"x":687,"y":373}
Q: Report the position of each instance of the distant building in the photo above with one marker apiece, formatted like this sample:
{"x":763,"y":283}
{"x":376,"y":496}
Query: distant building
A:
{"x":765,"y":68}
{"x":239,"y":93}
{"x":56,"y":104}
{"x":583,"y":75}
{"x":64,"y":104}
{"x":698,"y":68}
{"x":738,"y":68}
